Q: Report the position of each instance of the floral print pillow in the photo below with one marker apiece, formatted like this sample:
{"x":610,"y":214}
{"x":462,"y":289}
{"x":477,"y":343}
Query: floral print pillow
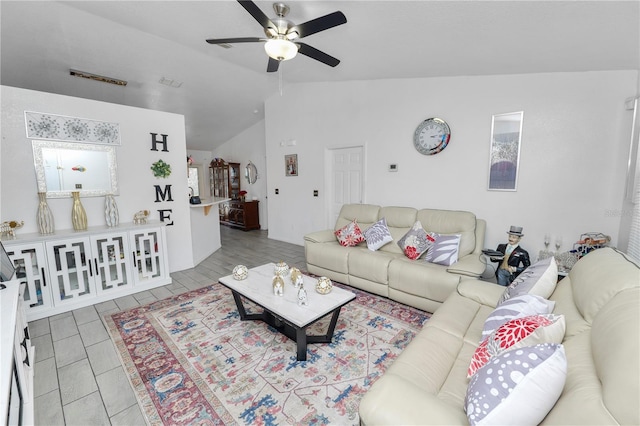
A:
{"x":349,"y":235}
{"x":416,"y":242}
{"x":518,"y":333}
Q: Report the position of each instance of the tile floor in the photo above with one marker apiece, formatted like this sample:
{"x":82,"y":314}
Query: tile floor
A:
{"x":78,"y":377}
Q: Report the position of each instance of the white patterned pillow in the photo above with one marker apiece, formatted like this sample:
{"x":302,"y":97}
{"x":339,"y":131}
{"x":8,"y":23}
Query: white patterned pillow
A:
{"x":444,"y":250}
{"x":516,"y":307}
{"x":540,"y":278}
{"x":519,"y":386}
{"x":377,"y":235}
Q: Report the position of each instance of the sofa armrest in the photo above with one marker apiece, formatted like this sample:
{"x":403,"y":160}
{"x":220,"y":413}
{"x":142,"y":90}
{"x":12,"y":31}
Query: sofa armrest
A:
{"x":470,"y":265}
{"x":325,"y":236}
{"x":395,"y":401}
{"x":483,"y":292}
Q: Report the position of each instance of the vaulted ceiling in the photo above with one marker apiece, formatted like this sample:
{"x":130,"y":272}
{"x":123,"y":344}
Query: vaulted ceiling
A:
{"x":222,"y":91}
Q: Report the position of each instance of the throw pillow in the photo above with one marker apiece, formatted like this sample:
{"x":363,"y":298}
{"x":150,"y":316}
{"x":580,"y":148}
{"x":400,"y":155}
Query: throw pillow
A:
{"x":540,"y":278}
{"x":516,"y":307}
{"x":517,"y":333}
{"x":444,"y":250}
{"x":518,"y":387}
{"x":349,"y":235}
{"x":378,"y":235}
{"x":415,"y":242}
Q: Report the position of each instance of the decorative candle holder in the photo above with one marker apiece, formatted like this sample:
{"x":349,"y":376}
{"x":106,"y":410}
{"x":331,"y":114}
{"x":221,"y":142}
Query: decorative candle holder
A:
{"x":240,"y":272}
{"x":324,"y":285}
{"x":281,"y":268}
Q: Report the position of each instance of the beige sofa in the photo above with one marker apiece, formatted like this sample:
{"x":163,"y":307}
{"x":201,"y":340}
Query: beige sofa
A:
{"x":387,"y":271}
{"x":600,"y":300}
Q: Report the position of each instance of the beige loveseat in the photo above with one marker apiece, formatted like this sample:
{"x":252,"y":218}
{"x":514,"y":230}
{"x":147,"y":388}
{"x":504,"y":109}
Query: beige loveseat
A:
{"x":387,"y":271}
{"x":600,"y":300}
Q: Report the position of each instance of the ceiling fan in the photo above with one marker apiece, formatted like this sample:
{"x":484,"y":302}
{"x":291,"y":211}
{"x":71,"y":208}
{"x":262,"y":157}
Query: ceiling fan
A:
{"x":282,"y":41}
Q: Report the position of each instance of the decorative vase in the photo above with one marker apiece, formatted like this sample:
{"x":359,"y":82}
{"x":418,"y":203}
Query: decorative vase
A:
{"x":45,"y":217}
{"x":111,"y":215}
{"x":78,"y":215}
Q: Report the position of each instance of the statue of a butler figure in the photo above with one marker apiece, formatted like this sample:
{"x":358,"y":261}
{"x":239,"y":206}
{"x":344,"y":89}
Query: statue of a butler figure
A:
{"x":515,"y":260}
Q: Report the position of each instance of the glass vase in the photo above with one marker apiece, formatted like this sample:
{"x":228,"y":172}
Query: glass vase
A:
{"x":111,"y":215}
{"x":78,"y":214}
{"x":45,"y":217}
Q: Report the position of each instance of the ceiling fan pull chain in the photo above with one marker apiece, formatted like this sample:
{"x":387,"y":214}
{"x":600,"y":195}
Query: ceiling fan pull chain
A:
{"x":280,"y":80}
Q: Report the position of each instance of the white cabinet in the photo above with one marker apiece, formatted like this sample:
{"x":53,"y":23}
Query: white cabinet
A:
{"x":148,"y":253}
{"x":30,"y":260}
{"x":70,"y":269}
{"x":16,"y":358}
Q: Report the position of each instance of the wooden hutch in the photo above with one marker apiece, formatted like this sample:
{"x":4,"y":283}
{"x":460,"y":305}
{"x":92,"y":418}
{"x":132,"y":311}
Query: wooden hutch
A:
{"x":225,"y":183}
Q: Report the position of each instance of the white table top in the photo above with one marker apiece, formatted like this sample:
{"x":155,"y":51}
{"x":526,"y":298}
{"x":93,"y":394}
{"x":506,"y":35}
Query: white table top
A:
{"x":259,"y":288}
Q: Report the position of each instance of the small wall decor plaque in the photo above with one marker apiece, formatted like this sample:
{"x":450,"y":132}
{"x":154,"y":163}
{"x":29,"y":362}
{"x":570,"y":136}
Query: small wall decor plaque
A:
{"x":291,"y":165}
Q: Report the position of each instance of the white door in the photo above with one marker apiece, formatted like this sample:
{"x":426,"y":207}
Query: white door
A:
{"x":347,"y":178}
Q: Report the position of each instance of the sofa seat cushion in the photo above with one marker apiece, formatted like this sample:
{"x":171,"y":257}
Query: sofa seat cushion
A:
{"x":371,"y":266}
{"x":433,"y":367}
{"x":421,"y":278}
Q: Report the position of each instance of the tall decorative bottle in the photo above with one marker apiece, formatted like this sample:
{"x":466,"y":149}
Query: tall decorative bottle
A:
{"x":111,"y":215}
{"x":78,"y":214}
{"x":45,"y":217}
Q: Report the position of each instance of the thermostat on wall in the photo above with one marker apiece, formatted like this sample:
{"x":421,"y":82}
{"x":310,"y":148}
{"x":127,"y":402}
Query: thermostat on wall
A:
{"x":393,"y":167}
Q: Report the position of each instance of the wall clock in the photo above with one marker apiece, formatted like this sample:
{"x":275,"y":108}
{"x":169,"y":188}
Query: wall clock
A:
{"x":431,"y":136}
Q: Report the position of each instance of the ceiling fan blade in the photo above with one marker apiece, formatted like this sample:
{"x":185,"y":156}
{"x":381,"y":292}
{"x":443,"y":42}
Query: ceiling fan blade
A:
{"x":319,"y":24}
{"x":318,"y":55}
{"x":257,"y":14}
{"x":234,"y":40}
{"x":273,"y":65}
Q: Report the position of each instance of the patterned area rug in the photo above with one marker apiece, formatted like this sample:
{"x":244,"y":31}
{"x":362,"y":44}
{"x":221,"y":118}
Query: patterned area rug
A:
{"x":191,"y":360}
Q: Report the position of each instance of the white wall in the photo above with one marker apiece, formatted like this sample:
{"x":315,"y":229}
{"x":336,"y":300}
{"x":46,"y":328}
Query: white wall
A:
{"x":572,"y":165}
{"x":249,"y":146}
{"x":136,"y":181}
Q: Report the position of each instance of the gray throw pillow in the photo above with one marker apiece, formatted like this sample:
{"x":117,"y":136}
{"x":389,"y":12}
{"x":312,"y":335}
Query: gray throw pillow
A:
{"x":377,"y":235}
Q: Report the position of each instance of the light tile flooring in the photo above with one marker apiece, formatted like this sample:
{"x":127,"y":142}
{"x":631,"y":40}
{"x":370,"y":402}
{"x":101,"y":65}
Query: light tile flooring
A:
{"x":78,"y":377}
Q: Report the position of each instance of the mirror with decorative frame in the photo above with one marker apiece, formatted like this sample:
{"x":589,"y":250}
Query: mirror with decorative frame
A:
{"x":251,"y":173}
{"x":63,"y":167}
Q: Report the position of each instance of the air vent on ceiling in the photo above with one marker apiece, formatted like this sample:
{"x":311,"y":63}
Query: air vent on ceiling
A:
{"x":96,"y":77}
{"x":170,"y":82}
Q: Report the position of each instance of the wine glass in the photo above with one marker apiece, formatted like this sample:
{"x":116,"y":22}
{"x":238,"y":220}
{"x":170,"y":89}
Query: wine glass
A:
{"x":558,"y":243}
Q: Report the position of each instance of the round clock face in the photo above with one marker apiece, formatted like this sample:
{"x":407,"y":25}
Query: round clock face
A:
{"x":431,"y":136}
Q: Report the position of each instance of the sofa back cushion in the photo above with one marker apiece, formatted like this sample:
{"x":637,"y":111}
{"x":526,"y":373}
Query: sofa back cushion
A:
{"x":365,"y":214}
{"x":598,"y":277}
{"x":451,"y":222}
{"x":399,"y":220}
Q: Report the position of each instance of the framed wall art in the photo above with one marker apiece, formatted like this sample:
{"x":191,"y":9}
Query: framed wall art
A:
{"x":504,"y":160}
{"x":291,"y":165}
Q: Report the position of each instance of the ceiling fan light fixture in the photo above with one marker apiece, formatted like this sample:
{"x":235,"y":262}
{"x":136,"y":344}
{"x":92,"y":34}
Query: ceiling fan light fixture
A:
{"x":281,"y":49}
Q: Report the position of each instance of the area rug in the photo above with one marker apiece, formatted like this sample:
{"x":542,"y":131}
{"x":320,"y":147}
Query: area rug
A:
{"x":190,"y":360}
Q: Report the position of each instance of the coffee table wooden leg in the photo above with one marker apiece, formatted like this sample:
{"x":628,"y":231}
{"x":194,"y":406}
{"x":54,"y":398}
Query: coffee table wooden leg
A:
{"x":301,"y":343}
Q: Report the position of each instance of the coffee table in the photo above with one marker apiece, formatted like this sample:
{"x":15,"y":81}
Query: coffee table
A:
{"x":283,"y":312}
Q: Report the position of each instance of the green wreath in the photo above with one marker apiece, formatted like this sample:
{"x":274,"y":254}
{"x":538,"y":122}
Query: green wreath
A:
{"x":161,"y":169}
